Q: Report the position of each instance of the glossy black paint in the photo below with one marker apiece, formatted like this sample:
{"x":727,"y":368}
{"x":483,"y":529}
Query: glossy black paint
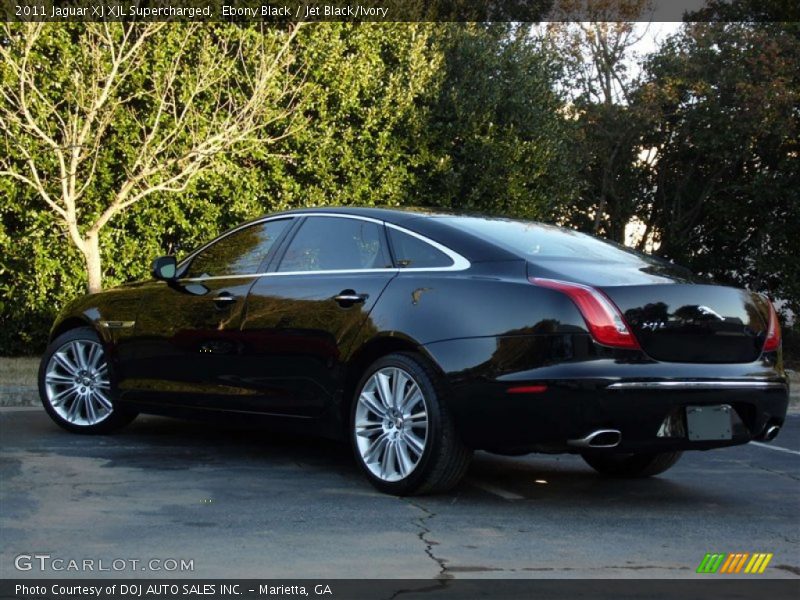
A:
{"x":281,"y":346}
{"x":301,"y":338}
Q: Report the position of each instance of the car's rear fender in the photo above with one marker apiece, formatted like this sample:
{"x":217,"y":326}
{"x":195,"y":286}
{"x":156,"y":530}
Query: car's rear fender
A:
{"x":488,"y":299}
{"x":513,"y":392}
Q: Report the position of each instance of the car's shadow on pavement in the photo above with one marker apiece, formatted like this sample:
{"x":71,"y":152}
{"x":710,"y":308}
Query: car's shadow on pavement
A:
{"x":163,"y":444}
{"x":561,"y":479}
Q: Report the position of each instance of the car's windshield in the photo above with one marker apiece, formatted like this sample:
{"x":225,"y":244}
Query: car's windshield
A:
{"x":537,"y":240}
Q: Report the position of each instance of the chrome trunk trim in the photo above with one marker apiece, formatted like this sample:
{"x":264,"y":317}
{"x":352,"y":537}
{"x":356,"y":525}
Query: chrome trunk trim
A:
{"x":694,"y":385}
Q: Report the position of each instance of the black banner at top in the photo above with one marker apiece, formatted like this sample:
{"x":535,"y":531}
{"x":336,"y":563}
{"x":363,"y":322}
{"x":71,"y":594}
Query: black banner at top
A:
{"x":278,"y":11}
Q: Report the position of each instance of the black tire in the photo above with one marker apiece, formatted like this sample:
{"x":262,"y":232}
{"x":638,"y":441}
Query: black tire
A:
{"x":631,"y":466}
{"x":445,"y":459}
{"x":108,"y":419}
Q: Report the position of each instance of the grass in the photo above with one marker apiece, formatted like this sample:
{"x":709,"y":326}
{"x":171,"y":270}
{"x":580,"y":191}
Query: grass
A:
{"x":19,"y":371}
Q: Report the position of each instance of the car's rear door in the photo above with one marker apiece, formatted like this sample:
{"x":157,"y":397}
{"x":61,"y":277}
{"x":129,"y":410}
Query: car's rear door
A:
{"x":187,"y":344}
{"x":304,"y":315}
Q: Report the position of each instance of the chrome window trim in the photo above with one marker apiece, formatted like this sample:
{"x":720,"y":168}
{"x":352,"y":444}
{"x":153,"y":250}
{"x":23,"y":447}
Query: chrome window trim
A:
{"x":275,"y":273}
{"x":693,"y":385}
{"x":343,"y":216}
{"x":459,"y":262}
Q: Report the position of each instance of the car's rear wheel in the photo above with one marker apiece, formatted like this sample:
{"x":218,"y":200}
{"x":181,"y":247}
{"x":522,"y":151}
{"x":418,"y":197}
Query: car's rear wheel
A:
{"x":403,"y":436}
{"x":644,"y":464}
{"x":75,"y":384}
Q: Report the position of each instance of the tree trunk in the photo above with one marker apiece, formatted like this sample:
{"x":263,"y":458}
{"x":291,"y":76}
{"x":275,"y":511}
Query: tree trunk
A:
{"x":91,"y":254}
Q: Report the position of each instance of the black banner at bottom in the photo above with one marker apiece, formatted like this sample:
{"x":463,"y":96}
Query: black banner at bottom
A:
{"x":369,"y":589}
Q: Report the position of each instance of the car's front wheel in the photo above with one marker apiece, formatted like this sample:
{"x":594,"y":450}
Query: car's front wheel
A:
{"x":642,"y":464}
{"x":75,"y":384}
{"x":403,"y":436}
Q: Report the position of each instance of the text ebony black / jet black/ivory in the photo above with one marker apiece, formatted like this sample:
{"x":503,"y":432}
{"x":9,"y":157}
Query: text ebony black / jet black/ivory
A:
{"x":420,"y":337}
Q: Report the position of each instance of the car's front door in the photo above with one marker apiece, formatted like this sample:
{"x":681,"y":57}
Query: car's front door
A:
{"x":187,"y":342}
{"x":304,"y":316}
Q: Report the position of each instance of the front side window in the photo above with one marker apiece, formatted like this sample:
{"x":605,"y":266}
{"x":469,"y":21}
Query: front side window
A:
{"x":336,"y":243}
{"x":240,"y":253}
{"x":414,"y":253}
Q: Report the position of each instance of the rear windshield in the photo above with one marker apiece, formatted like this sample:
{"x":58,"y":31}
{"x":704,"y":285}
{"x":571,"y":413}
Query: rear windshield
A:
{"x":536,"y":240}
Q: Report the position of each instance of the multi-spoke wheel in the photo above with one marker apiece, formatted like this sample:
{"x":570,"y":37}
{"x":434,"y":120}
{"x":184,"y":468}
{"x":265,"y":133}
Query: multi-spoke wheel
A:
{"x":402,"y":434}
{"x":75,"y":384}
{"x":391,"y":424}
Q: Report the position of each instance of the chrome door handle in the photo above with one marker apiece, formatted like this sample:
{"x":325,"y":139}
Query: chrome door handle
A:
{"x":224,"y":298}
{"x":349,"y":297}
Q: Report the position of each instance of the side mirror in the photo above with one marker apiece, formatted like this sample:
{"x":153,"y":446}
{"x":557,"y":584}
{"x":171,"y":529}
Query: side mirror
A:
{"x":164,"y":268}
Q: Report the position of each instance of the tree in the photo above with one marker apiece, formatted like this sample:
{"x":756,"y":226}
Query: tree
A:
{"x":598,"y":55}
{"x":491,"y":134}
{"x":181,"y":96}
{"x":362,"y":106}
{"x":352,"y":141}
{"x":460,"y":115}
{"x":722,"y":102}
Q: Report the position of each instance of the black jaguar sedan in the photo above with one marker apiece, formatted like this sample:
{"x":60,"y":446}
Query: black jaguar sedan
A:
{"x":420,"y":337}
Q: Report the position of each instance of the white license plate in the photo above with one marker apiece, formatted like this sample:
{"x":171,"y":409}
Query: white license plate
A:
{"x":705,"y":423}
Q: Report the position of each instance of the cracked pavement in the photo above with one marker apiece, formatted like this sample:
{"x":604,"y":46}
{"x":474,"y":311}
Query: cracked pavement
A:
{"x":252,"y":503}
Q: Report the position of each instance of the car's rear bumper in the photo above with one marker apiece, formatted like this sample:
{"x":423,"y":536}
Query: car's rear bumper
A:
{"x":645,"y":401}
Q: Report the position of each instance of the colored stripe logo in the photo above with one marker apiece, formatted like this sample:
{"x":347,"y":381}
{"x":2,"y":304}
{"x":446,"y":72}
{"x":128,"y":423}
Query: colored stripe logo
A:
{"x":735,"y":562}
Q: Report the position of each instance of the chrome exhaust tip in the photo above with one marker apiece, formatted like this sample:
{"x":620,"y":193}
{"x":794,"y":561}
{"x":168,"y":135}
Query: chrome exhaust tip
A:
{"x":771,"y":432}
{"x":602,"y":438}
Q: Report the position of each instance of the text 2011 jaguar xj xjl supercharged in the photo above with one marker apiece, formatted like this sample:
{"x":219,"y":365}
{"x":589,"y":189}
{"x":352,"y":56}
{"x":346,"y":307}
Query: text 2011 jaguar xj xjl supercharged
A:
{"x":420,"y":337}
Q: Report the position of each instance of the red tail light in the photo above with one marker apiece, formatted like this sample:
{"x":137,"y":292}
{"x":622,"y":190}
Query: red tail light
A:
{"x":773,"y":341}
{"x":603,"y":318}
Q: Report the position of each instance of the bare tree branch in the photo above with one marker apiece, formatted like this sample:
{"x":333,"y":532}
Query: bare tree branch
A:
{"x":208,"y":97}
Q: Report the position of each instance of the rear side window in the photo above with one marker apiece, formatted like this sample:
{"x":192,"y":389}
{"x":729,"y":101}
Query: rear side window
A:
{"x":412,"y":252}
{"x":537,"y":240}
{"x":336,"y":243}
{"x":239,"y":253}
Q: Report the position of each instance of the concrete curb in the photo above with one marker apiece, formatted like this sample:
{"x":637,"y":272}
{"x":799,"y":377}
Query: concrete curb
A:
{"x":19,"y":395}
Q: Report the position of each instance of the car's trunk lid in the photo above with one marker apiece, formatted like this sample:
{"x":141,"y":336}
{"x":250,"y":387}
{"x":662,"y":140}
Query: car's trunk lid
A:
{"x":694,"y":323}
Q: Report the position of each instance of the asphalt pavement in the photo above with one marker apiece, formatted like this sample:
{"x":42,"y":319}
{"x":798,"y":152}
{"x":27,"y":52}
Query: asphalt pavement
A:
{"x":235,"y":502}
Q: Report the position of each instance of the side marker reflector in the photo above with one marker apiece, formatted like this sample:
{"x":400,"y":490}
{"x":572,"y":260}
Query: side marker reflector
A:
{"x":527,"y":389}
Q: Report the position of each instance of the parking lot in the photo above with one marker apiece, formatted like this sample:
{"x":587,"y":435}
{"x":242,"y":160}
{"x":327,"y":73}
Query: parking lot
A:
{"x":248,"y":503}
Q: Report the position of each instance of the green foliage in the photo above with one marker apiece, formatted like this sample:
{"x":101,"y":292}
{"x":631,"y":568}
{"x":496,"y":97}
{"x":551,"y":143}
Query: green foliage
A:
{"x":721,"y":102}
{"x":597,"y":76}
{"x":360,"y":101}
{"x":392,"y":114}
{"x":469,"y":117}
{"x":702,"y":151}
{"x":605,"y":147}
{"x":495,"y":139}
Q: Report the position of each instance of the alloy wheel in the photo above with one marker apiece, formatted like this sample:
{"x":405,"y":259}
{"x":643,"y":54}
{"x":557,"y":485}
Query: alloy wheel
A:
{"x":77,"y":383}
{"x":391,"y":424}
